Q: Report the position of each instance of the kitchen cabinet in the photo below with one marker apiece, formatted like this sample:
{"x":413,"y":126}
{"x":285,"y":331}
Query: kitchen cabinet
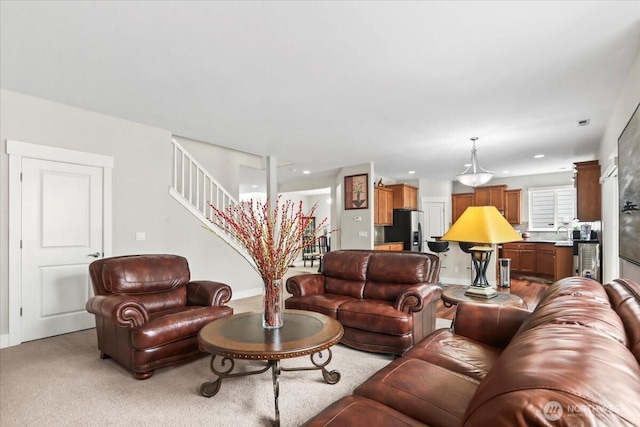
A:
{"x":460,"y":202}
{"x":404,"y":196}
{"x":490,"y":195}
{"x":394,"y":246}
{"x":512,"y":203}
{"x":544,"y":260}
{"x":382,"y":206}
{"x":522,"y":255}
{"x":588,"y":193}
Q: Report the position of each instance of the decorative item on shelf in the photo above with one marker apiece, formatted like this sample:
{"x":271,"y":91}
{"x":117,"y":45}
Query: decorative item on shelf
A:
{"x":474,"y":175}
{"x":273,"y":238}
{"x":380,"y":184}
{"x":484,"y":226}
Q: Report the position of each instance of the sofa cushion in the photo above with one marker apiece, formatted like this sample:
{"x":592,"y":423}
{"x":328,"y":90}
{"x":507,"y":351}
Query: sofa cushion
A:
{"x":456,"y":353}
{"x":391,"y":273}
{"x":577,"y":301}
{"x":175,"y":324}
{"x":326,"y":304}
{"x":571,"y":366}
{"x":625,"y":300}
{"x":375,"y":316}
{"x":356,"y":411}
{"x":140,"y":274}
{"x":373,"y":341}
{"x":426,"y":392}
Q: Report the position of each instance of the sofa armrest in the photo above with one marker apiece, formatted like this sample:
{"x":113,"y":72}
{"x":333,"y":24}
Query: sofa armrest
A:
{"x":490,"y":324}
{"x":414,"y":298}
{"x":306,"y":284}
{"x":208,"y":293}
{"x":123,"y":310}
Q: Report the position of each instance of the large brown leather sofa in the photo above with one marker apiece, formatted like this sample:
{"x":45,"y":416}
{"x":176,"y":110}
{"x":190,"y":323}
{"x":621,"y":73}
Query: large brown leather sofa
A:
{"x":573,"y":361}
{"x":386,"y":301}
{"x":148,"y":312}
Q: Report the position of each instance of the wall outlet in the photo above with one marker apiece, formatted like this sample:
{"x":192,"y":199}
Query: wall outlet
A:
{"x":362,"y":234}
{"x":457,"y":269}
{"x":357,"y":218}
{"x":140,"y":236}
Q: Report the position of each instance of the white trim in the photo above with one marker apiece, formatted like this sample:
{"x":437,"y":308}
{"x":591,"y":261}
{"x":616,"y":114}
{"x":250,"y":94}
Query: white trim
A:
{"x":246,"y":294}
{"x":17,"y":151}
{"x":611,"y":170}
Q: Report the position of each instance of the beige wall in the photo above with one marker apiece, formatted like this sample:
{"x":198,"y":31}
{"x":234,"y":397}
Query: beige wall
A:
{"x":141,"y":177}
{"x":624,"y":108}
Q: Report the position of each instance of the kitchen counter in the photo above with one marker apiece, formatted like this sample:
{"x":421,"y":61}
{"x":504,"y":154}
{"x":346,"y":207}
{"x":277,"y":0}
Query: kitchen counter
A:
{"x":556,"y":242}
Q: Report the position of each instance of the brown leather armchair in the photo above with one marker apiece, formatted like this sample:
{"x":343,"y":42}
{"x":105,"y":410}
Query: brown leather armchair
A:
{"x":148,"y":312}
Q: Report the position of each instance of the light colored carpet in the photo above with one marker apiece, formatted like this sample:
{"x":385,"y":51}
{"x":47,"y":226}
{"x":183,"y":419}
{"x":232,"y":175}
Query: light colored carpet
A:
{"x":61,"y":381}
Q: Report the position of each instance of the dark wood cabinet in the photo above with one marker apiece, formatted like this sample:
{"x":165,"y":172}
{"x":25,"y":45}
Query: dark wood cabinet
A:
{"x":490,"y":195}
{"x":588,"y":193}
{"x":459,"y":203}
{"x":512,"y":203}
{"x":544,"y":260}
{"x":383,"y":206}
{"x":404,"y":196}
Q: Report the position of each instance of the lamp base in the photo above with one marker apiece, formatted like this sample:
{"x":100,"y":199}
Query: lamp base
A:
{"x":481,"y":292}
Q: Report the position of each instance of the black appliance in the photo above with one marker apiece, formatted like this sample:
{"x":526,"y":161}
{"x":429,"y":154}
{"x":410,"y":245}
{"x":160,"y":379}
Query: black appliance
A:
{"x":406,"y":228}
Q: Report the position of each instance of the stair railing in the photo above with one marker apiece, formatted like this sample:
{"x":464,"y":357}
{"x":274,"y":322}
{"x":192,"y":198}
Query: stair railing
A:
{"x":194,"y":188}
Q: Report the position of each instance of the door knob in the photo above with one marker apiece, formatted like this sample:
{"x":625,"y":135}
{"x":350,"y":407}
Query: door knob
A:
{"x":95,"y":254}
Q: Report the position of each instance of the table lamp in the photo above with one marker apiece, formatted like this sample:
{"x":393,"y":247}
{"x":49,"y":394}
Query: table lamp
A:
{"x":484,"y":226}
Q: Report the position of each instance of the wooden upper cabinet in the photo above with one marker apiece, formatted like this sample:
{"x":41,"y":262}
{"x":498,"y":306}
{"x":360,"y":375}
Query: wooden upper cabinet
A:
{"x":459,"y":203}
{"x":512,"y":203}
{"x":383,"y":206}
{"x":588,"y":193}
{"x":404,"y":196}
{"x":491,"y":195}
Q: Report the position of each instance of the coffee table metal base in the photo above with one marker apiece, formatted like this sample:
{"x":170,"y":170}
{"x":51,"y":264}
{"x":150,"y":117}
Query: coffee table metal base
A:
{"x":227,"y":365}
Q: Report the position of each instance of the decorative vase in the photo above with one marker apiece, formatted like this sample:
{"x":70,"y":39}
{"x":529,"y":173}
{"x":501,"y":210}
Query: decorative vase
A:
{"x":272,"y":296}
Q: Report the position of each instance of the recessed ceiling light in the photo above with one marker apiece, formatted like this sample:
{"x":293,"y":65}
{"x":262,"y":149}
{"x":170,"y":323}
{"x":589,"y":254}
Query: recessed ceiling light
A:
{"x":538,"y":156}
{"x":412,"y":172}
{"x":466,"y":165}
{"x":306,"y":172}
{"x":584,"y":122}
{"x":506,"y":172}
{"x":254,"y":186}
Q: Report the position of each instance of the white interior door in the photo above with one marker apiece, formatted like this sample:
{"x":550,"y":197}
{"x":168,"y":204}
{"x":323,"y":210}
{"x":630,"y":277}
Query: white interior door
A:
{"x":62,"y":232}
{"x":433,"y":219}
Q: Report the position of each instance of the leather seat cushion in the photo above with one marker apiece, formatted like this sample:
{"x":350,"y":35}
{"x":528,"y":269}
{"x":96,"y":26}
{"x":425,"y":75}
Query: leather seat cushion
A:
{"x":456,"y":353}
{"x":326,"y":304}
{"x":175,"y":324}
{"x":375,"y":316}
{"x":407,"y":385}
{"x":356,"y":411}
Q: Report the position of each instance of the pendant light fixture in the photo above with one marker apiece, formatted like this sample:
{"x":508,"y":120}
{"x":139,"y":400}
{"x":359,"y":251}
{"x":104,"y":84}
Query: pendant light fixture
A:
{"x":474,"y":175}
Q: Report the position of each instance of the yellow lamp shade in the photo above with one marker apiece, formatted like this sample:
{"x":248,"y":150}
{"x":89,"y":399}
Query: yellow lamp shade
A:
{"x":482,"y":224}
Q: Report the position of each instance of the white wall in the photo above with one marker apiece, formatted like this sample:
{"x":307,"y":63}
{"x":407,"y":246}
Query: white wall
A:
{"x":141,"y":178}
{"x":624,"y":108}
{"x":350,"y":229}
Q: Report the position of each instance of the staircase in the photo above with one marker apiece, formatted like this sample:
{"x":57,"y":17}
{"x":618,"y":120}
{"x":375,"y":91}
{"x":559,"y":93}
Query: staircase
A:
{"x":193,"y":187}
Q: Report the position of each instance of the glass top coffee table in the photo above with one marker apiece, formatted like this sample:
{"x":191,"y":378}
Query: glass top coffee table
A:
{"x":455,"y":294}
{"x":241,"y":336}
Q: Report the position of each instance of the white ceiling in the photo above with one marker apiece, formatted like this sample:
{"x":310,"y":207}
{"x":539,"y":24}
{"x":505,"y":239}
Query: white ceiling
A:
{"x":323,"y":85}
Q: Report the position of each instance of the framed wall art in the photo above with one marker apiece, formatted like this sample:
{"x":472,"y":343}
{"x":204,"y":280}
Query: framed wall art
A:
{"x":629,"y":189}
{"x":356,"y":192}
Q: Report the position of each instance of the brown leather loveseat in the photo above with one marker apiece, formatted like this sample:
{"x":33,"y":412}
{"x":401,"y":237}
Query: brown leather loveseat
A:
{"x":148,"y":312}
{"x":386,"y":301}
{"x":573,"y":361}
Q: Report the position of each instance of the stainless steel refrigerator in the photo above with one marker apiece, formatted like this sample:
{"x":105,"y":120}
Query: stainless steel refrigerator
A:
{"x":406,"y":228}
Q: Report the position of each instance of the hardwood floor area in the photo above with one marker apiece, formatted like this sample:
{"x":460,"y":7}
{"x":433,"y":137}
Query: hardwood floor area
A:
{"x":530,"y":291}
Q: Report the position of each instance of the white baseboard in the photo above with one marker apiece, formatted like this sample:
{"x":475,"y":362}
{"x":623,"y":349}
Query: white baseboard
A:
{"x":4,"y":341}
{"x":246,"y":294}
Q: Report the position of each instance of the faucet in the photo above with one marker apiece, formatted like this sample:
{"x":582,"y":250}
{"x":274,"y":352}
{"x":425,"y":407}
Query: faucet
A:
{"x":566,"y":229}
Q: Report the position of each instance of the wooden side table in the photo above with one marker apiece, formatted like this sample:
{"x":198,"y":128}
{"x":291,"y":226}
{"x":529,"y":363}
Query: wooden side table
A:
{"x":241,"y":336}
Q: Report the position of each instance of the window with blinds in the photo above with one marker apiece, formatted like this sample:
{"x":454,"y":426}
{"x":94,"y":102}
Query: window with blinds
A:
{"x":551,"y":207}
